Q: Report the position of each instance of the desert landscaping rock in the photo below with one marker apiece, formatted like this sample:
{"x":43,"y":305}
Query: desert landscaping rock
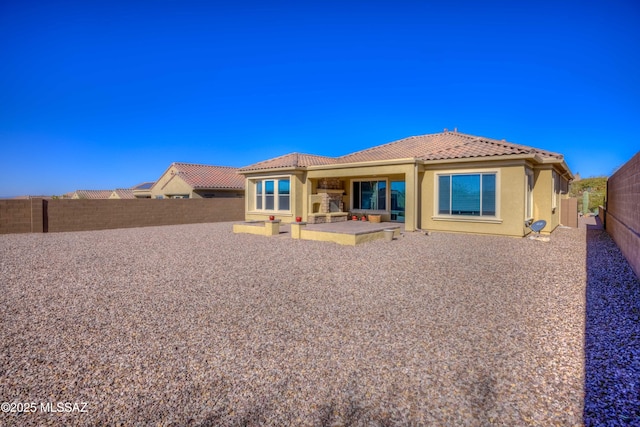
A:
{"x":612,"y":342}
{"x":195,"y":325}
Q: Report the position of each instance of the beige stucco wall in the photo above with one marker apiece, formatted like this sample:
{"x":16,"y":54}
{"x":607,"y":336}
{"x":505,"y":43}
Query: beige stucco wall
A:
{"x":544,"y":192}
{"x":510,"y":188}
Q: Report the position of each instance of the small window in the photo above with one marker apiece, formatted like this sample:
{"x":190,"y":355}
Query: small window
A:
{"x":259,"y":195}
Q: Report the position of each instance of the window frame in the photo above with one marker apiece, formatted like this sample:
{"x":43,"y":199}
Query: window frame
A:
{"x":495,"y":218}
{"x":361,"y":210}
{"x":259,"y":186}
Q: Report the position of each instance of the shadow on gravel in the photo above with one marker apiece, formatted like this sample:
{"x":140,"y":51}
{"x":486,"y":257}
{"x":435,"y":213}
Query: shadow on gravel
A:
{"x":612,"y":335}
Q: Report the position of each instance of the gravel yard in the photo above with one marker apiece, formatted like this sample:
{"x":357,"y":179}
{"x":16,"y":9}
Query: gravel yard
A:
{"x":195,"y":325}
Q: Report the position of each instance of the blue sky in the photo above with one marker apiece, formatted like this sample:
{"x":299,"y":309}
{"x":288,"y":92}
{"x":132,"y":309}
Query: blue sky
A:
{"x":103,"y":95}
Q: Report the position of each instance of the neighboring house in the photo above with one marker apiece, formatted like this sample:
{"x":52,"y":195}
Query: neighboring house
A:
{"x":447,"y":181}
{"x":186,"y":180}
{"x":91,"y":194}
{"x":122,"y":193}
{"x":142,"y":190}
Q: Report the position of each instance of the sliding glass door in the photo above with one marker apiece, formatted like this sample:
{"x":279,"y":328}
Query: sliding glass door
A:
{"x":397,"y":200}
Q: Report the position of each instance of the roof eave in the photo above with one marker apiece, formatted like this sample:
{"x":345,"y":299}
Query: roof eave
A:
{"x":506,"y":157}
{"x":403,"y":161}
{"x":217,"y":188}
{"x":270,"y":170}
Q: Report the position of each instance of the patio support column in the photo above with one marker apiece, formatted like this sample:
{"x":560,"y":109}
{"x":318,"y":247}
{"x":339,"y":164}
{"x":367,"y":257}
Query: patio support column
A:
{"x":306,"y":209}
{"x":411,"y":198}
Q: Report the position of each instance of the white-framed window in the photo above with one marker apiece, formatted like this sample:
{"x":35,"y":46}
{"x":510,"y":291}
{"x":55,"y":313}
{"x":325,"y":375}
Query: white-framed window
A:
{"x":467,"y":194}
{"x":273,"y":194}
{"x":370,"y":195}
{"x":528,"y":211}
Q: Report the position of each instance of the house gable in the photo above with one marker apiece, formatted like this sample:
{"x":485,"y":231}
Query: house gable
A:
{"x":194,"y":180}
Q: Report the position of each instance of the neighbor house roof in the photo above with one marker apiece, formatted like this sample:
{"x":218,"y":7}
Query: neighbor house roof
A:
{"x":123,"y":193}
{"x":206,"y":176}
{"x":92,"y":194}
{"x":438,"y":146}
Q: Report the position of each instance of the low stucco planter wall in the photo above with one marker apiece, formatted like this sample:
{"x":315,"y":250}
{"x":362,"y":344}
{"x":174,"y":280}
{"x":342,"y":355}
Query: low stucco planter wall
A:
{"x":261,"y":228}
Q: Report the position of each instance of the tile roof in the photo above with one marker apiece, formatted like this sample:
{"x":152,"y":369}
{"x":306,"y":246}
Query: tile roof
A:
{"x":92,"y":194}
{"x":205,"y":176}
{"x":438,"y":146}
{"x":442,"y":146}
{"x":291,"y":160}
{"x":124,"y":193}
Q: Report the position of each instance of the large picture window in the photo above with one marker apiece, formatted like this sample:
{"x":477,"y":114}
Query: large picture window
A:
{"x":467,"y":194}
{"x":273,"y":194}
{"x":369,"y":195}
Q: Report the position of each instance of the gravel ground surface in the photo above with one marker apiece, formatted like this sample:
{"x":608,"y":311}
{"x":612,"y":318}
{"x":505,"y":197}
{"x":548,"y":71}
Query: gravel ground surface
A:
{"x":193,"y":325}
{"x":612,"y":344}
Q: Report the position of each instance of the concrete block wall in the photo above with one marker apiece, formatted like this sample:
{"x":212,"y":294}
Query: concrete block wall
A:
{"x":623,"y":210}
{"x":15,"y":216}
{"x":21,"y":216}
{"x":37,"y":215}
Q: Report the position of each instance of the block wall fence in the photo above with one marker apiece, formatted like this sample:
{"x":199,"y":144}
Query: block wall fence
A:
{"x":622,"y":210}
{"x":40,"y":215}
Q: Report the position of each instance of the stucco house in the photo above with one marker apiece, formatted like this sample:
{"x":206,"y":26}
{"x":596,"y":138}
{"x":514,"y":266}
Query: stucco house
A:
{"x":189,"y":181}
{"x":447,"y":181}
